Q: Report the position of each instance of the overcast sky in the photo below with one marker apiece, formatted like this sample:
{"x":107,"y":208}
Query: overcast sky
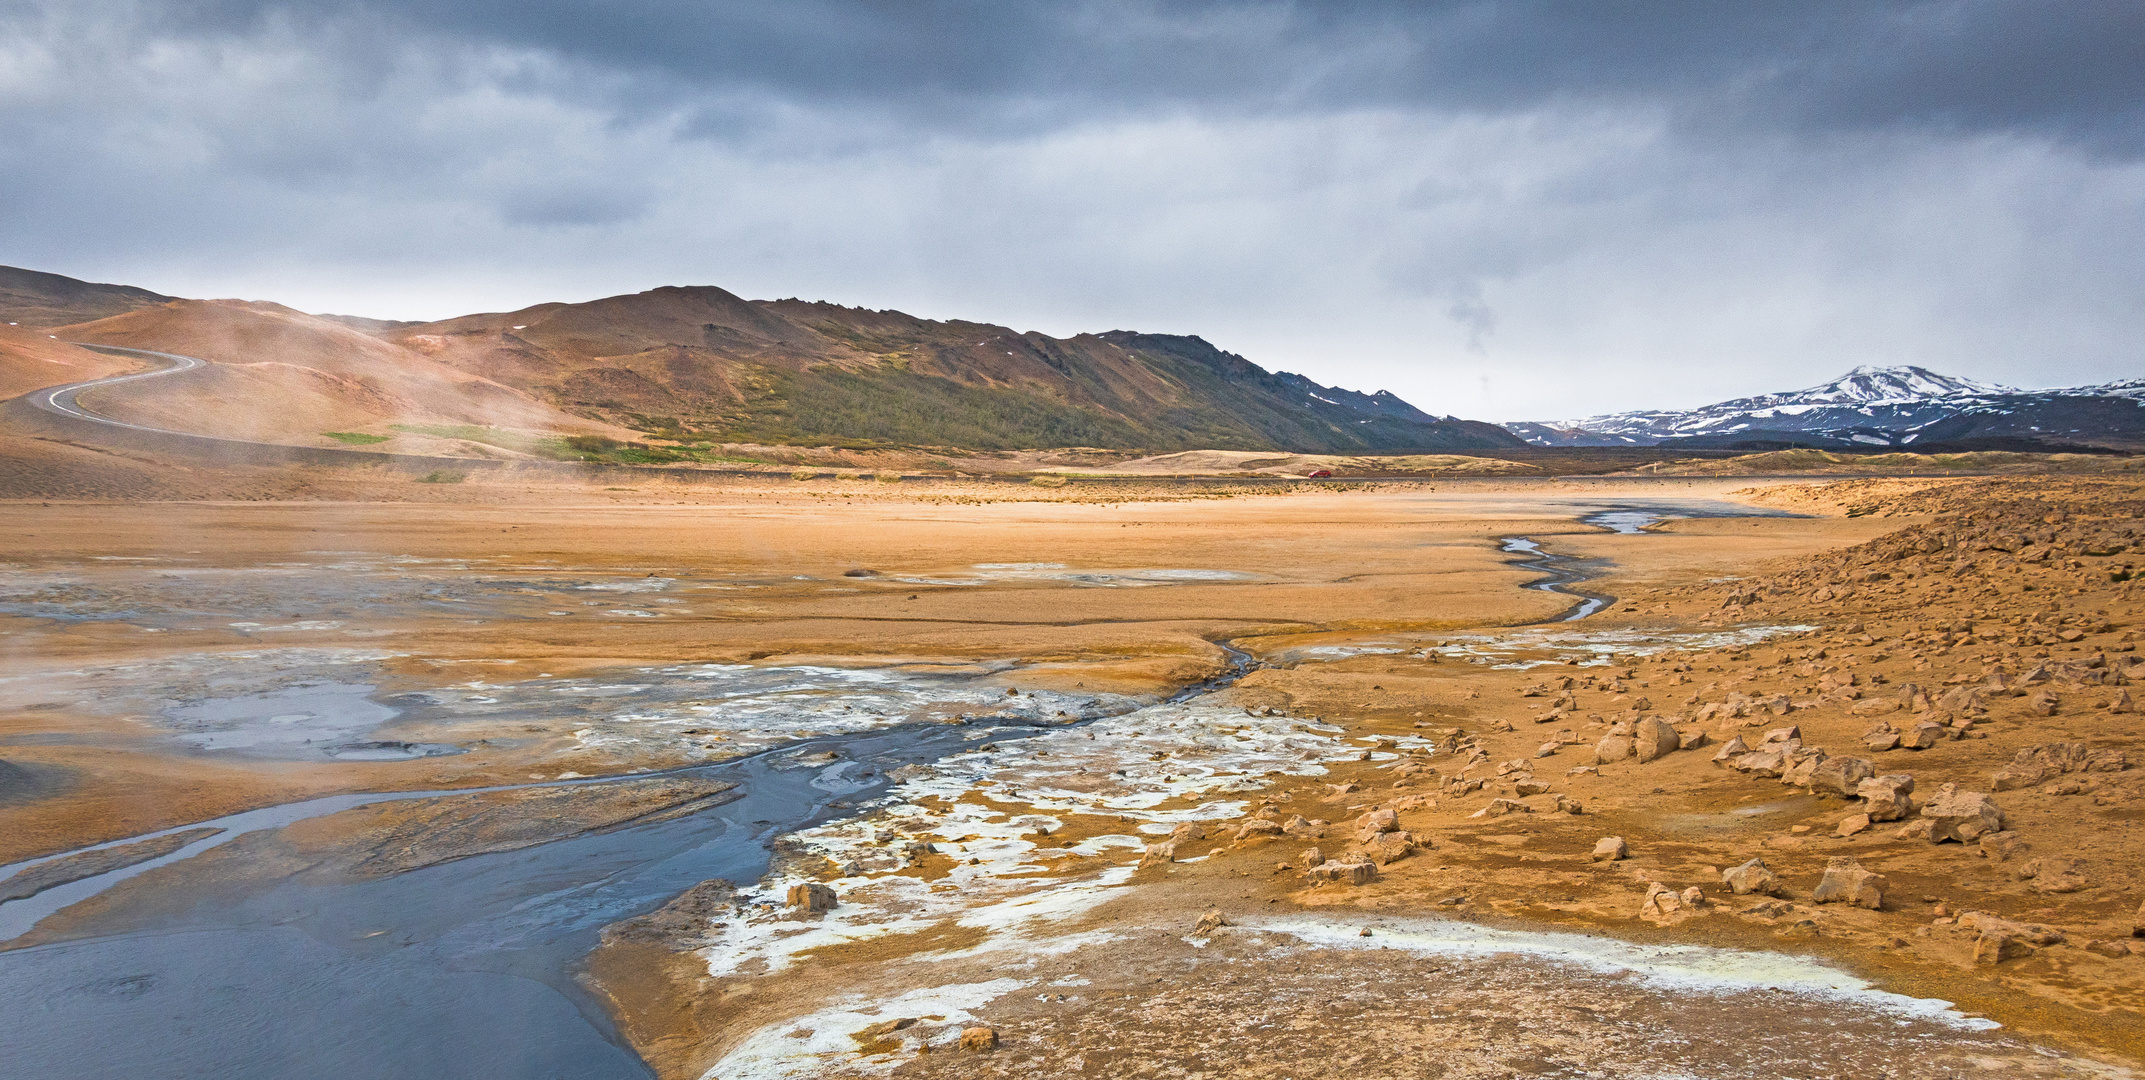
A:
{"x":1502,"y":210}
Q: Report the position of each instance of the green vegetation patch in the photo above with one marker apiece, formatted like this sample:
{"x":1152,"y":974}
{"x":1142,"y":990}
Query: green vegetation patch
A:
{"x":356,"y":438}
{"x":523,"y":442}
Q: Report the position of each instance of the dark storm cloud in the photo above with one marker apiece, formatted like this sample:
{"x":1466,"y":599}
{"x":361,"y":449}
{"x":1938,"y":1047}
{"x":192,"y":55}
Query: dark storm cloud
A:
{"x":2068,"y":71}
{"x":1501,"y":209}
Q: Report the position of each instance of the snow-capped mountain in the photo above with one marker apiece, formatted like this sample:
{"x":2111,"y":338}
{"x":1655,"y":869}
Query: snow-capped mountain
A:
{"x":1873,"y":406}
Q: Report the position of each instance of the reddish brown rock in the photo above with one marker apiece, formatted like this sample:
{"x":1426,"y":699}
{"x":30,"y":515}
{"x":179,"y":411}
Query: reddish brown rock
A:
{"x":1846,"y":882}
{"x":1965,"y":816}
{"x":1885,"y":798}
{"x":812,"y":896}
{"x":1751,"y":877}
{"x":1654,"y":738}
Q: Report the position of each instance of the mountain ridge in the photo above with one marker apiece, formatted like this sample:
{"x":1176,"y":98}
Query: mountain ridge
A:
{"x":1871,"y":406}
{"x":701,"y":362}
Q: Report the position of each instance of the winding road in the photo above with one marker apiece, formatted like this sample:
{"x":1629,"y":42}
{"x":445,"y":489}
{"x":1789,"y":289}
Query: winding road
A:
{"x":62,"y":399}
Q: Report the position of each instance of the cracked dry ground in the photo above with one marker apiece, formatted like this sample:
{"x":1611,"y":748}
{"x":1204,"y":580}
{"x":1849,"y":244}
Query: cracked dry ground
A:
{"x":1983,"y":648}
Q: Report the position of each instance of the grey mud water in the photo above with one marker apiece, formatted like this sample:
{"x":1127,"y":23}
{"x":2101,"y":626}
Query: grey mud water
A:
{"x":463,"y":968}
{"x":1561,"y":573}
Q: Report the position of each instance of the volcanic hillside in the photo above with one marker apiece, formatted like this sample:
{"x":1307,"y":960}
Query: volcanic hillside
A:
{"x":702,"y":361}
{"x":284,"y":376}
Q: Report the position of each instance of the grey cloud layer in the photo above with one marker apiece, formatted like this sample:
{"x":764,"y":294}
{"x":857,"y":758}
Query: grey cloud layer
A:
{"x":2067,"y":70}
{"x":1498,"y":209}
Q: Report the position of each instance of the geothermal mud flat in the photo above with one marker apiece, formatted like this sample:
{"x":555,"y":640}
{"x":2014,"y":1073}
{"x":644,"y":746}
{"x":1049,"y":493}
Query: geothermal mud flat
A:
{"x":606,"y":774}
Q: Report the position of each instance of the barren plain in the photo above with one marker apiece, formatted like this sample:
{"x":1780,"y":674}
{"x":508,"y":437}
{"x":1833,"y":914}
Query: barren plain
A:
{"x":775,"y":777}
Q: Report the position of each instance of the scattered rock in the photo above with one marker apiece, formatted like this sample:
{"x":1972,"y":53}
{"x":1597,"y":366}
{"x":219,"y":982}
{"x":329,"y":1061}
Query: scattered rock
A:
{"x":1501,"y":807}
{"x":1611,"y":849}
{"x":2050,"y":760}
{"x":1885,"y":798}
{"x":813,"y":897}
{"x":1842,"y":776}
{"x":2031,"y":933}
{"x":2053,"y":875}
{"x":1991,"y":948}
{"x":1654,"y":738}
{"x":1612,"y":748}
{"x":1730,"y":750}
{"x":979,"y":1039}
{"x":1531,"y":787}
{"x":2003,"y":846}
{"x":1311,"y":858}
{"x":1923,"y":829}
{"x":1161,"y":854}
{"x":1661,"y":902}
{"x":1190,"y":832}
{"x":1924,"y":735}
{"x":1852,"y":825}
{"x":1210,"y":922}
{"x":1390,"y":848}
{"x":1352,"y":873}
{"x":1297,"y":827}
{"x":1845,"y":882}
{"x":1801,"y":766}
{"x":1375,"y":822}
{"x":1770,"y":909}
{"x":1751,"y":877}
{"x":1965,"y":816}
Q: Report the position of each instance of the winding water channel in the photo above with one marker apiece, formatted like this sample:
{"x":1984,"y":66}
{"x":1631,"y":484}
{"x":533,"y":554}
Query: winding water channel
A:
{"x":463,"y":968}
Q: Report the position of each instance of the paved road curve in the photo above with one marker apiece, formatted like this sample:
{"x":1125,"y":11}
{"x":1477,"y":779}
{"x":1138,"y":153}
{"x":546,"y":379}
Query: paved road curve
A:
{"x":62,"y":399}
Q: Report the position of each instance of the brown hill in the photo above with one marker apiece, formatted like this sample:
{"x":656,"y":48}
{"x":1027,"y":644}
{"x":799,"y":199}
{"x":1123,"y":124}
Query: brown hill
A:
{"x":38,"y":300}
{"x":285,"y":376}
{"x":705,"y":362}
{"x":702,"y":363}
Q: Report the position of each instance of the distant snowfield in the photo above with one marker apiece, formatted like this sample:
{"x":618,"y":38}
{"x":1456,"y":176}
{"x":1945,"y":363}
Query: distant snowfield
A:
{"x":1877,"y":406}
